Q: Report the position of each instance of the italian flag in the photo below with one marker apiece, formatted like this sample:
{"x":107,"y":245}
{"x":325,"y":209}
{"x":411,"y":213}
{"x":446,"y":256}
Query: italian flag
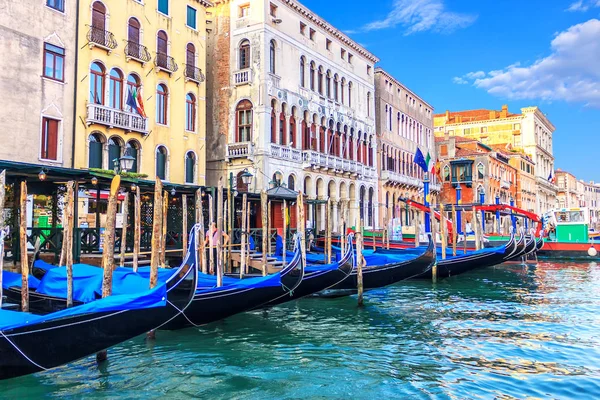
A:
{"x":134,"y":100}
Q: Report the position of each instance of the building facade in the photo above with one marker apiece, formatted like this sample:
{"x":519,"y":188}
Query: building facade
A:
{"x":404,"y":122}
{"x":592,"y":201}
{"x":142,"y":88}
{"x":470,"y":168}
{"x":570,"y":191}
{"x":292,"y":100}
{"x":530,"y":132}
{"x":37,"y":40}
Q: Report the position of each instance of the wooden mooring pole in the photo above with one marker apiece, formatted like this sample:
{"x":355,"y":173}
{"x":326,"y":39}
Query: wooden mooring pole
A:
{"x":211,"y":258}
{"x":416,"y":226}
{"x":328,"y":229}
{"x":23,"y":244}
{"x":3,"y":232}
{"x":301,"y":227}
{"x":443,"y":230}
{"x":244,"y":237}
{"x":284,"y":233}
{"x":184,"y":225}
{"x":124,"y":230}
{"x":201,"y":231}
{"x":156,"y":232}
{"x":265,"y":231}
{"x":68,"y":236}
{"x":220,"y":233}
{"x":137,"y":228}
{"x":163,"y":237}
{"x":454,"y":230}
{"x":463,"y":223}
{"x":432,"y":223}
{"x":360,"y":261}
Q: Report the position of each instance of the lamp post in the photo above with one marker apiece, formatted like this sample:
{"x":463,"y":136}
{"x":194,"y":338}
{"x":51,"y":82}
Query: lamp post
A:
{"x":482,"y":201}
{"x":426,"y":202}
{"x":498,"y":213}
{"x":124,"y":163}
{"x":459,"y":213}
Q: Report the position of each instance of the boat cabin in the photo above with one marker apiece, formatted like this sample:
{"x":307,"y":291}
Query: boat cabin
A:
{"x":567,"y":225}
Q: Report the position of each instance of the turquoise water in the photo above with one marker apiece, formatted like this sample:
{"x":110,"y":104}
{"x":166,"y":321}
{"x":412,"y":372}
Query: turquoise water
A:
{"x":506,"y":332}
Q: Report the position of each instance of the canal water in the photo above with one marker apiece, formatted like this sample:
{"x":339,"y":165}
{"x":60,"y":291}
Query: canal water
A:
{"x":505,"y":332}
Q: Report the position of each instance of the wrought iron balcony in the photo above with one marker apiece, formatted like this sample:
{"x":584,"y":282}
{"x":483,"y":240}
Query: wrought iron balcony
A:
{"x":101,"y":38}
{"x":137,"y":52}
{"x":165,"y":62}
{"x":133,"y":122}
{"x":242,"y":77}
{"x":240,"y":150}
{"x":193,"y":73}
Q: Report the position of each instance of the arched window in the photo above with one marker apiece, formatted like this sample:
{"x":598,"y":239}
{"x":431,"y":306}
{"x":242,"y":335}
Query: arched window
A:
{"x":244,"y":121}
{"x":480,"y":171}
{"x":305,"y":135}
{"x":273,"y":123}
{"x":162,"y":106}
{"x":190,"y":58}
{"x":115,"y":89}
{"x":282,"y":127}
{"x":342,"y":90}
{"x":161,"y":162}
{"x":133,"y":34}
{"x":302,"y":72}
{"x":162,"y":49}
{"x":95,"y":155}
{"x":114,"y":151}
{"x":133,"y":149}
{"x":98,"y":22}
{"x":446,"y":173}
{"x":336,"y":83}
{"x":190,"y":112}
{"x":371,"y":207}
{"x":312,"y":75}
{"x":328,"y":84}
{"x":272,"y":57}
{"x":349,"y":94}
{"x":291,"y":183}
{"x":321,"y":80}
{"x":97,"y":72}
{"x":362,"y":203}
{"x":190,"y":167}
{"x":292,"y":129}
{"x":244,"y":54}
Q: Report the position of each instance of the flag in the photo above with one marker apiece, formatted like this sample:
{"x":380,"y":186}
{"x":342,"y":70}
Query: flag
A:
{"x":420,"y":160}
{"x":551,"y":177}
{"x":134,"y":100}
{"x":438,"y":169}
{"x":427,"y":159}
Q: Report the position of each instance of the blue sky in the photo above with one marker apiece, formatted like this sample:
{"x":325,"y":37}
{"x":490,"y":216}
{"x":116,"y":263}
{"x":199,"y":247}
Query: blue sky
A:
{"x":466,"y":54}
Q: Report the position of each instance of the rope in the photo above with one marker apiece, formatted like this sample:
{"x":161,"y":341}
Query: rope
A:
{"x":23,"y":354}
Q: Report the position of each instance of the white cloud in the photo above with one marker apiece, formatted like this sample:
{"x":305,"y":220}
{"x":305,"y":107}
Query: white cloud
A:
{"x":583,"y":5}
{"x":422,"y":15}
{"x":460,"y":80}
{"x":570,"y":73}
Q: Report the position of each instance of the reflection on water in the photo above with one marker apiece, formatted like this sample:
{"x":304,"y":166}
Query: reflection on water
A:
{"x":511,"y":331}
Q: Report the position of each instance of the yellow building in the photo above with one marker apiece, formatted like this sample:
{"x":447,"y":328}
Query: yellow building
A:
{"x":141,"y":87}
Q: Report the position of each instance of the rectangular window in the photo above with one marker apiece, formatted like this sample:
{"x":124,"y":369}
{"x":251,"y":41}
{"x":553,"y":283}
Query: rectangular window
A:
{"x":244,"y":11}
{"x":54,"y":62}
{"x":303,"y":28}
{"x":49,"y":139}
{"x":58,"y":5}
{"x":273,"y":10}
{"x":191,"y":17}
{"x":369,"y":71}
{"x":328,"y":44}
{"x":163,"y":6}
{"x":350,"y":57}
{"x":343,"y":54}
{"x":312,"y":34}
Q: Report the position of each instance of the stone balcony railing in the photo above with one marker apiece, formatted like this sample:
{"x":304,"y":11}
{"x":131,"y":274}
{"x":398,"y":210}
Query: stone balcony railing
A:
{"x":286,"y":153}
{"x":396,"y":178}
{"x":314,"y":159}
{"x":504,"y":184}
{"x":242,"y":77}
{"x":100,"y":114}
{"x":240,"y":150}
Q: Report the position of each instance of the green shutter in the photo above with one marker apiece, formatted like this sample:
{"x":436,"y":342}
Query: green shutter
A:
{"x":191,"y":17}
{"x":161,"y":160}
{"x":134,"y":153}
{"x":114,"y":152}
{"x":163,"y":6}
{"x":95,"y":160}
{"x":189,"y":170}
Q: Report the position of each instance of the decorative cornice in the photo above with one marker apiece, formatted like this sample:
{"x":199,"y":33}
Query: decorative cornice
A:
{"x":308,"y":14}
{"x":380,"y":70}
{"x":205,"y":3}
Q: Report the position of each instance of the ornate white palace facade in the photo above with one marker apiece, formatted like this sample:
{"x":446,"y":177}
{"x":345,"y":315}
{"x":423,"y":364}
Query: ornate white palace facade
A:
{"x":292,"y":100}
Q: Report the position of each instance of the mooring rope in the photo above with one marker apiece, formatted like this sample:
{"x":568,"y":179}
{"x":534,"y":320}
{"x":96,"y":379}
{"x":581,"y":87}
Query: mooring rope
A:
{"x":23,"y":354}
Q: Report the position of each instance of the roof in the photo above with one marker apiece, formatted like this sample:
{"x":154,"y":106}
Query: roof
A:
{"x":379,"y":70}
{"x":457,"y":139}
{"x":282,"y":192}
{"x":474,"y":115}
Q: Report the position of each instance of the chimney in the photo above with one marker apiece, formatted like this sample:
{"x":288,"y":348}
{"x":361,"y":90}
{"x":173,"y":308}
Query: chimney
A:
{"x":492,"y":114}
{"x":452,"y":147}
{"x":447,"y":116}
{"x":458,"y":119}
{"x":504,"y":112}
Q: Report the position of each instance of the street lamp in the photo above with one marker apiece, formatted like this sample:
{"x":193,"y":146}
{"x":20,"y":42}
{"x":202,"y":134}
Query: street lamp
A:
{"x":42,"y":175}
{"x":124,"y":163}
{"x":246,"y":177}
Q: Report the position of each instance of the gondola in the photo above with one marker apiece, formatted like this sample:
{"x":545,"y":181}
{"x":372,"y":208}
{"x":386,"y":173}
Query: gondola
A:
{"x":519,"y":248}
{"x":321,"y":277}
{"x":31,"y":343}
{"x":212,"y":303}
{"x":455,"y":265}
{"x":383,"y":270}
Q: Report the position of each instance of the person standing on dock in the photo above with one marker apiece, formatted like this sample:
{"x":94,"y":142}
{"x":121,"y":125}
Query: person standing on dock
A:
{"x":212,"y":237}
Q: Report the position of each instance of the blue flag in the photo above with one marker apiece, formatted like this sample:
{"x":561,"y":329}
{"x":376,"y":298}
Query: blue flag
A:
{"x":420,"y":160}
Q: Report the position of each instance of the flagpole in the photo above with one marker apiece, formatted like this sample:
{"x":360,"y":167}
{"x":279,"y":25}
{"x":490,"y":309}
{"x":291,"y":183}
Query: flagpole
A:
{"x":426,"y":202}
